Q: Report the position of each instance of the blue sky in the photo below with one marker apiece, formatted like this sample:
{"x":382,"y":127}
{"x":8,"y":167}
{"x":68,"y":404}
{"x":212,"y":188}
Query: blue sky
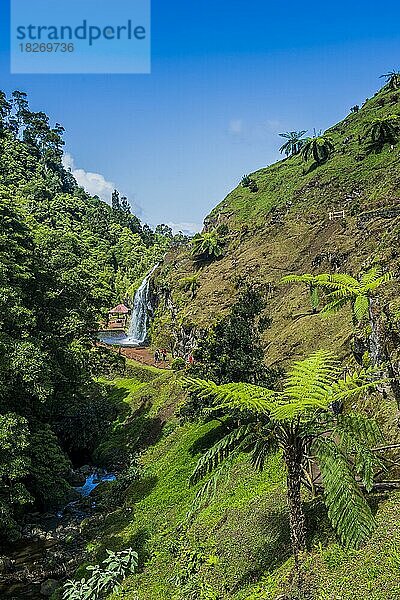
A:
{"x":227,"y":77}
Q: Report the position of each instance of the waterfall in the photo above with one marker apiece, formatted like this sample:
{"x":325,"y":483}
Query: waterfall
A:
{"x":137,"y":332}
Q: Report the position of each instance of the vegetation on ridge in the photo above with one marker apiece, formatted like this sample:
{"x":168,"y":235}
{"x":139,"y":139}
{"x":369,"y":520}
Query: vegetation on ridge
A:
{"x":244,"y":331}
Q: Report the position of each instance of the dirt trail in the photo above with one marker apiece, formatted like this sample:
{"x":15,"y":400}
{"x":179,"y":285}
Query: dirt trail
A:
{"x":142,"y":355}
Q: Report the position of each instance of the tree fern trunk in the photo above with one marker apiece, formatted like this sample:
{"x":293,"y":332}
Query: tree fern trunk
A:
{"x":379,"y":349}
{"x":293,"y":458}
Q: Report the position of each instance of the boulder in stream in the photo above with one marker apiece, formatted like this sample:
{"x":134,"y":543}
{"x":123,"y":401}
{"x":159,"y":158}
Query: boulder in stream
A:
{"x":48,"y":587}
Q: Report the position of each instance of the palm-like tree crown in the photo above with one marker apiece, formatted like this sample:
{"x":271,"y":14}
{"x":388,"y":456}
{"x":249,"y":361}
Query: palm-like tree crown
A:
{"x":319,"y":148}
{"x":392,"y":79}
{"x":208,"y":245}
{"x":300,"y":419}
{"x":294,"y":142}
{"x":384,"y":130}
{"x":344,"y":289}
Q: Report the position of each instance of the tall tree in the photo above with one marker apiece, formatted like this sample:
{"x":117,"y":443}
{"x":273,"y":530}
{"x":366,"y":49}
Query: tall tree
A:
{"x":319,"y":148}
{"x":392,"y":79}
{"x":294,"y":142}
{"x":304,"y":420}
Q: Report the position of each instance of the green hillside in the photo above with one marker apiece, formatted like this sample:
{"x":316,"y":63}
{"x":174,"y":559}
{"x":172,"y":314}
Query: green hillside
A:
{"x":354,"y":178}
{"x":236,"y":546}
{"x":218,"y":300}
{"x":284,"y":228}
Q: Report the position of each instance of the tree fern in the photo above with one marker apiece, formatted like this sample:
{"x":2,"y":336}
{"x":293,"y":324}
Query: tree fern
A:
{"x":218,"y":453}
{"x":342,"y":289}
{"x":300,"y":419}
{"x":348,"y":510}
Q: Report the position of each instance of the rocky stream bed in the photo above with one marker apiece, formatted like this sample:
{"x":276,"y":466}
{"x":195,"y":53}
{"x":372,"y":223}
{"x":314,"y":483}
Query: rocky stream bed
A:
{"x":52,"y":545}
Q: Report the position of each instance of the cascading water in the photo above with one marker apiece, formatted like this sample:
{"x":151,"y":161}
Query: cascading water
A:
{"x":137,"y":331}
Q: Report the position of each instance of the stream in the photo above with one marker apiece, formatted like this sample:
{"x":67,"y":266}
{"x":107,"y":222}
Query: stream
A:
{"x":51,"y":546}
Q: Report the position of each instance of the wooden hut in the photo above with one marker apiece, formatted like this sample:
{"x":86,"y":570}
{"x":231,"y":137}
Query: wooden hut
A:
{"x":118,"y":317}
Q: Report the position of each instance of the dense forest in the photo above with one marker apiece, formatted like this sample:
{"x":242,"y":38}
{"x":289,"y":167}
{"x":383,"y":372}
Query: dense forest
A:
{"x":258,"y":459}
{"x":65,"y":258}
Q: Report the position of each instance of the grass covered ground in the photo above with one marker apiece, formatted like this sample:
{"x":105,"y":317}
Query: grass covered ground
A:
{"x":285,"y":228}
{"x":235,"y":547}
{"x":352,"y":170}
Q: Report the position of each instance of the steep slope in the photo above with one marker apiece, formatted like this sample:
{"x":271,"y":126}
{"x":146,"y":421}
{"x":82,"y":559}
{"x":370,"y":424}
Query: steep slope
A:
{"x":285,"y":227}
{"x":235,"y":547}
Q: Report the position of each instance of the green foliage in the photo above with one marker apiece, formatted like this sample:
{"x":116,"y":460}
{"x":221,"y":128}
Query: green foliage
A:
{"x":392,"y":80}
{"x":190,"y":284}
{"x":344,"y":289}
{"x":318,"y":148}
{"x":348,"y":511}
{"x":294,"y":143}
{"x":48,"y":469}
{"x":208,"y":246}
{"x":65,"y":259}
{"x":297,"y":418}
{"x":383,"y":131}
{"x":232,"y":351}
{"x":14,"y":466}
{"x":253,"y":186}
{"x":178,"y":364}
{"x":105,"y":579}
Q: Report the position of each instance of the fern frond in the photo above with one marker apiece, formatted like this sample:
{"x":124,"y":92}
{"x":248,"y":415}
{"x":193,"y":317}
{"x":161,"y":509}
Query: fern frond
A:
{"x":310,"y":377}
{"x":361,"y":307}
{"x":355,"y":384}
{"x":218,"y":453}
{"x":348,"y":510}
{"x":306,"y":386}
{"x":380,"y":281}
{"x":261,"y":444}
{"x":366,"y":464}
{"x":333,"y":307}
{"x":371,"y":275}
{"x":356,"y":428}
{"x":357,"y":434}
{"x":209,"y":489}
{"x":242,"y":396}
{"x":337,"y":281}
{"x":306,"y":278}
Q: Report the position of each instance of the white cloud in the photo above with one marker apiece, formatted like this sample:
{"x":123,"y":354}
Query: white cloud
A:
{"x":273,"y":125}
{"x":253,"y":132}
{"x":94,"y":183}
{"x":236,"y":126}
{"x":186,"y":228}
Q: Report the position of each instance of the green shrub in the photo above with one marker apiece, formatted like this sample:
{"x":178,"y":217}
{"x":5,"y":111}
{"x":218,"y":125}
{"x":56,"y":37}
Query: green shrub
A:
{"x":208,"y":246}
{"x":178,"y":364}
{"x":103,"y":581}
